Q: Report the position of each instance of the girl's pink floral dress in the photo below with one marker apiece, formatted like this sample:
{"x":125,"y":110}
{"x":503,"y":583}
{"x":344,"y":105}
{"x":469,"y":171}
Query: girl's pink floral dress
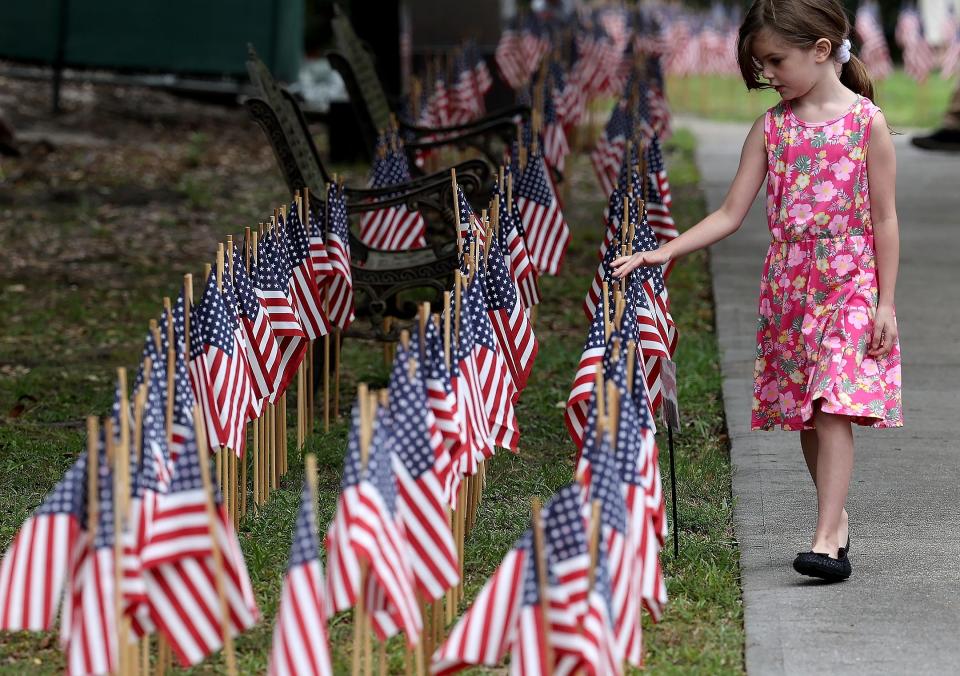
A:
{"x":818,"y":293}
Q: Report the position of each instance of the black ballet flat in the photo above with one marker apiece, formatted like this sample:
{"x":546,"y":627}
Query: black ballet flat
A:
{"x":814,"y":564}
{"x":845,"y":550}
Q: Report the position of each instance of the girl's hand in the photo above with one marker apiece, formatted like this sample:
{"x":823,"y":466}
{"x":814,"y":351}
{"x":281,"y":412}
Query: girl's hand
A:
{"x":884,"y":332}
{"x":625,"y":264}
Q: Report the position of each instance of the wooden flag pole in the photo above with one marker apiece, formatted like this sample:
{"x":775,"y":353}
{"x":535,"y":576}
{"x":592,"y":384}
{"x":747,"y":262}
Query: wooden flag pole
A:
{"x":221,"y":461}
{"x":446,"y":327}
{"x":218,"y":569}
{"x":359,"y":607}
{"x":119,"y":458}
{"x":631,"y":363}
{"x":593,"y":542}
{"x":540,"y":556}
{"x":607,"y":328}
{"x":456,"y":207}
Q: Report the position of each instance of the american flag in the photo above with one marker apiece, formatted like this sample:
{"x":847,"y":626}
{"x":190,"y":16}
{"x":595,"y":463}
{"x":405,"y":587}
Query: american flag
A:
{"x":179,"y":566}
{"x":638,"y":465}
{"x":510,"y":324}
{"x":147,"y":485}
{"x":652,"y":279}
{"x":340,"y":288}
{"x":421,"y":462}
{"x":466,"y":101}
{"x":300,"y":644}
{"x":303,"y":285}
{"x":608,"y":154}
{"x":157,"y":354}
{"x":442,"y":399}
{"x":604,"y":484}
{"x":262,"y":347}
{"x":380,"y":538}
{"x":918,"y":58}
{"x":509,"y":59}
{"x":438,"y":105}
{"x":546,"y":231}
{"x":467,"y":385}
{"x":183,"y":398}
{"x":873,"y":48}
{"x":950,"y":60}
{"x":567,"y":587}
{"x":393,"y":228}
{"x":34,"y":567}
{"x":89,"y":620}
{"x":591,"y":359}
{"x":496,"y":384}
{"x":343,"y":564}
{"x":658,"y":196}
{"x":318,"y":248}
{"x":218,"y":368}
{"x":274,"y":294}
{"x":484,"y":633}
{"x":480,"y":70}
{"x":610,"y":250}
{"x":555,"y":145}
{"x":514,"y":246}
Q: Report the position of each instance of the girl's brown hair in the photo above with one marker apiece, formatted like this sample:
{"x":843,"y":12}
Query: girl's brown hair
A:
{"x":800,"y":23}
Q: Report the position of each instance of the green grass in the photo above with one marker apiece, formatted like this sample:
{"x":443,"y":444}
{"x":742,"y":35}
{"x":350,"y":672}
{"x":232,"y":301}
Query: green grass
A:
{"x":68,"y":326}
{"x":904,"y":102}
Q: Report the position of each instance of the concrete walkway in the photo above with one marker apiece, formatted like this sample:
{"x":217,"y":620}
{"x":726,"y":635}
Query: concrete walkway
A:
{"x":900,"y":612}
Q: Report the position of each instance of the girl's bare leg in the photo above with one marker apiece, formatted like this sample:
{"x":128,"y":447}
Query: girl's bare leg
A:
{"x":828,"y":452}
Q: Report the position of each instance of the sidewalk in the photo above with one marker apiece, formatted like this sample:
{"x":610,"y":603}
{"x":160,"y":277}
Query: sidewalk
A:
{"x":900,"y":612}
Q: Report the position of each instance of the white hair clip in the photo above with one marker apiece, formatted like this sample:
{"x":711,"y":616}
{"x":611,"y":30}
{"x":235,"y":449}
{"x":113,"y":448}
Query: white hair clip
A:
{"x":843,"y":52}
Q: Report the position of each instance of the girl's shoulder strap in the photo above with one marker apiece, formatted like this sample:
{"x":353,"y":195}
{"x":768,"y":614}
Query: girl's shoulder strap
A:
{"x":774,"y":121}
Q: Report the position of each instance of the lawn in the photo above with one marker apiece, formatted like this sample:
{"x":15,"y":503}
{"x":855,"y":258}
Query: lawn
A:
{"x":92,"y":236}
{"x":904,"y":102}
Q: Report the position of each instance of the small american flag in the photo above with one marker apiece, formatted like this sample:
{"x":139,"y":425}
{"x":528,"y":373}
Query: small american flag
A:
{"x":380,"y":538}
{"x":496,"y":384}
{"x":420,"y":462}
{"x":509,"y":59}
{"x":89,"y":620}
{"x":591,"y":359}
{"x":318,"y":247}
{"x":262,"y":347}
{"x":219,"y":369}
{"x":34,"y":566}
{"x":514,"y":247}
{"x":466,"y":101}
{"x":555,"y":145}
{"x":918,"y":58}
{"x":300,"y":644}
{"x":484,"y":633}
{"x":658,"y":196}
{"x":608,"y":154}
{"x":546,"y":231}
{"x":340,"y":287}
{"x":442,"y":399}
{"x":179,"y":568}
{"x":343,"y":564}
{"x":393,"y":228}
{"x":273,"y":292}
{"x":302,"y":282}
{"x":510,"y":324}
{"x":480,"y":70}
{"x":183,"y":398}
{"x":873,"y":48}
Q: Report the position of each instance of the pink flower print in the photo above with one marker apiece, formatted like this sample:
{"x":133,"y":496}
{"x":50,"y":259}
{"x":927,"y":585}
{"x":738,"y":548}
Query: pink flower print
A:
{"x":869,"y":367}
{"x":835,"y":129}
{"x":841,"y":168}
{"x":795,"y":257}
{"x":838,"y":224}
{"x":842,"y":264}
{"x":801,"y":212}
{"x":858,"y":318}
{"x":769,"y":392}
{"x":863,"y":279}
{"x":787,"y":402}
{"x":893,"y":376}
{"x":824,"y":191}
{"x":833,"y":342}
{"x":809,"y":325}
{"x":765,"y":309}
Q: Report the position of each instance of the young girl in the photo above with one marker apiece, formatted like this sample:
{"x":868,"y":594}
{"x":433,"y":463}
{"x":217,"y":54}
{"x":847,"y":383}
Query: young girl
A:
{"x":827,"y":353}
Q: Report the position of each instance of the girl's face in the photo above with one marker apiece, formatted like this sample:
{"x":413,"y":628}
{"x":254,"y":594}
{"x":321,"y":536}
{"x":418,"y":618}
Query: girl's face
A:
{"x":792,"y":71}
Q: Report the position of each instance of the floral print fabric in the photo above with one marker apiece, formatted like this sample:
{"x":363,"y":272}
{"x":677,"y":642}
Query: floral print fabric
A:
{"x":818,"y":292}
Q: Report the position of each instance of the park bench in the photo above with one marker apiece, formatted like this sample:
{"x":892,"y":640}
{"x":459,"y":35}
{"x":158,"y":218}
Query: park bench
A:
{"x":386,"y":283}
{"x":353,"y":61}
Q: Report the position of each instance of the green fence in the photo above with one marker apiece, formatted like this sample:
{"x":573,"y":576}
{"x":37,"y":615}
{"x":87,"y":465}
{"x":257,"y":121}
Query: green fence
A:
{"x":196,"y":37}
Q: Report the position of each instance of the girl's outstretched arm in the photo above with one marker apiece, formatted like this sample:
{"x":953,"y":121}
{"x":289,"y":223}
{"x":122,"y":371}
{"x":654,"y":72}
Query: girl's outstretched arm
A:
{"x":722,"y":222}
{"x":882,"y":178}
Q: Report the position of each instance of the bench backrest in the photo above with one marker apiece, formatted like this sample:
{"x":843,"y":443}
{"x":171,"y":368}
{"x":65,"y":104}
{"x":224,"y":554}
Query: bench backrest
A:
{"x":362,"y":71}
{"x":302,"y":151}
